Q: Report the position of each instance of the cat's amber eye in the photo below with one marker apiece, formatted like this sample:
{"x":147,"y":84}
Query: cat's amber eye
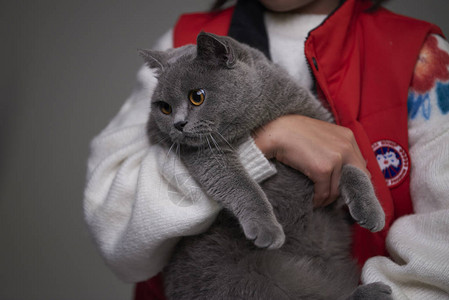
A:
{"x":165,"y":108}
{"x":197,"y":96}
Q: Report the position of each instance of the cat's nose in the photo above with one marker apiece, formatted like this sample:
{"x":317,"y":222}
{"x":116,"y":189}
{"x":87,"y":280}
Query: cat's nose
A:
{"x":180,"y":125}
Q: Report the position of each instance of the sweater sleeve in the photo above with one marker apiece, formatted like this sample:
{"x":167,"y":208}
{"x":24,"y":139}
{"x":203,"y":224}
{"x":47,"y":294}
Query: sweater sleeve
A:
{"x":418,"y":244}
{"x":139,"y":199}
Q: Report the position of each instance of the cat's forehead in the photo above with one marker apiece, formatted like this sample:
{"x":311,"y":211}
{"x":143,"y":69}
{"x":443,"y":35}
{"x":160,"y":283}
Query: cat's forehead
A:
{"x":186,"y":70}
{"x":181,"y":63}
{"x":176,"y":54}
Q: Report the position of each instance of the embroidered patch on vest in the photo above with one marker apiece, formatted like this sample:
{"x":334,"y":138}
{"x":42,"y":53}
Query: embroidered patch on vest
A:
{"x":393,"y":161}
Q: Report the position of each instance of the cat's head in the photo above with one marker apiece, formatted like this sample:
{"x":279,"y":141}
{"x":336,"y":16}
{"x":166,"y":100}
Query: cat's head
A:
{"x":203,"y":90}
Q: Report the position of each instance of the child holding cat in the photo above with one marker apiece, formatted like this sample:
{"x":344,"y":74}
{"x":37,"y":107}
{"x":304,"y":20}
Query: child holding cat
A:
{"x":139,"y":200}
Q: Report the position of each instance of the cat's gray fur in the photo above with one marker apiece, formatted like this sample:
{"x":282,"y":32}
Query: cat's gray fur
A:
{"x":268,"y":242}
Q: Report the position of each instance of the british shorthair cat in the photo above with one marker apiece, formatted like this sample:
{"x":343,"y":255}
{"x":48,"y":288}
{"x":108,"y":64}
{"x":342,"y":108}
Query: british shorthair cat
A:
{"x":268,"y":242}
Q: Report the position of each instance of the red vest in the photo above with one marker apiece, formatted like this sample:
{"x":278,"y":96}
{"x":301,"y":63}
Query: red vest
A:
{"x":353,"y":55}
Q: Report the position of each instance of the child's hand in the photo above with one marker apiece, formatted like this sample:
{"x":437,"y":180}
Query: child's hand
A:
{"x":316,"y":148}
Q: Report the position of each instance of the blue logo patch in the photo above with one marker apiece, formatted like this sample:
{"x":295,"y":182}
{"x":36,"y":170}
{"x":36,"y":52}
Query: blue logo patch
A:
{"x":392,"y":160}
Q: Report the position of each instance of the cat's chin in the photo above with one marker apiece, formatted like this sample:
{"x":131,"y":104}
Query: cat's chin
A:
{"x":188,"y":139}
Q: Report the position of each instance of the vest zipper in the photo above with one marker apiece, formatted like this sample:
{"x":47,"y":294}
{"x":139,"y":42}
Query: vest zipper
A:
{"x":315,"y":85}
{"x":315,"y":63}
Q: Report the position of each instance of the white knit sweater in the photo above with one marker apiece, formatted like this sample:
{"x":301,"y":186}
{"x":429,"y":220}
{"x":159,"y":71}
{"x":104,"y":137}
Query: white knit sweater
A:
{"x":139,"y":198}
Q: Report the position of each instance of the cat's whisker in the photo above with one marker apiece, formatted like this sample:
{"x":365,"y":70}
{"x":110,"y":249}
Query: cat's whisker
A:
{"x":158,"y":141}
{"x":174,"y":158}
{"x":224,"y":139}
{"x":220,"y":151}
{"x":213,"y":152}
{"x":167,"y":158}
{"x":210,"y":147}
{"x":214,"y":140}
{"x":178,"y":150}
{"x":169,"y":150}
{"x":164,"y":163}
{"x":201,"y":149}
{"x":217,"y":146}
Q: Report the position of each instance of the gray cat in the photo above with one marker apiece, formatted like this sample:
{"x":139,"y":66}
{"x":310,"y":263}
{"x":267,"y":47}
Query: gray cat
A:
{"x":268,"y":242}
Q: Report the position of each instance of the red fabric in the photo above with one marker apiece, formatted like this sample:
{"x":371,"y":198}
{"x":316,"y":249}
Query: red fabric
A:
{"x":189,"y":25}
{"x":359,"y":56}
{"x":152,"y":289}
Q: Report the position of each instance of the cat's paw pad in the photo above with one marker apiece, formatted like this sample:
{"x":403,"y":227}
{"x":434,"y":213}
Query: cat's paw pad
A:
{"x":373,"y":291}
{"x":264,"y":234}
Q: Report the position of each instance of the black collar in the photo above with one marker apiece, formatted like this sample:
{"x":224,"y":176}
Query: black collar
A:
{"x":248,"y":25}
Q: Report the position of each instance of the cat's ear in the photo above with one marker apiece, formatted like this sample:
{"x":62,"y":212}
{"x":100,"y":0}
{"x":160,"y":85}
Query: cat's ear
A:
{"x":215,"y":48}
{"x":154,"y":59}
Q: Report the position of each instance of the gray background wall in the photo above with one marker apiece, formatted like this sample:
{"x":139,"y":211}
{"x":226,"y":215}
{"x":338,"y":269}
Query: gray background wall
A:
{"x":66,"y":68}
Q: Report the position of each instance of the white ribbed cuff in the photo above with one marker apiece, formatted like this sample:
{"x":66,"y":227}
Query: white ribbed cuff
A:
{"x":255,"y":163}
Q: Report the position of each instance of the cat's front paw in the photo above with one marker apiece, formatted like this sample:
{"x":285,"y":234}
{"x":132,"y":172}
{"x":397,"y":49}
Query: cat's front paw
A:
{"x":368,"y":213}
{"x":374,"y":222}
{"x":359,"y":195}
{"x":265,"y":234}
{"x":372,"y":291}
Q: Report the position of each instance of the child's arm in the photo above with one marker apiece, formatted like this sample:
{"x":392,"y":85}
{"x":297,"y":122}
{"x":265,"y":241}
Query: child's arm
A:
{"x":139,"y":199}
